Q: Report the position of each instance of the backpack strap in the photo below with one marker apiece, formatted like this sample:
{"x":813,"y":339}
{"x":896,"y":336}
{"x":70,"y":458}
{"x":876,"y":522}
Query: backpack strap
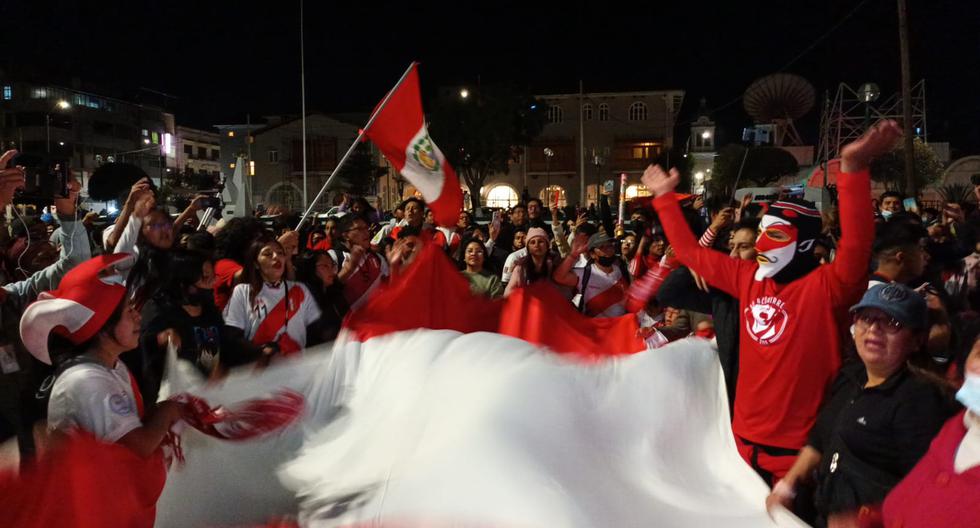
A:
{"x":44,"y":391}
{"x":586,"y":275}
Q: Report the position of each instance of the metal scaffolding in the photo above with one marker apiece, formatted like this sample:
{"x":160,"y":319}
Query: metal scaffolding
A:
{"x":848,"y":116}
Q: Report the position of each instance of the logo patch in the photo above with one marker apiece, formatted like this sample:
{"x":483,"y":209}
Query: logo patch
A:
{"x":766,"y":319}
{"x":424,"y":153}
{"x":121,"y":405}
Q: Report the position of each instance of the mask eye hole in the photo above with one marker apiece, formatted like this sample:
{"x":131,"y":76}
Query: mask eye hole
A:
{"x":777,"y":235}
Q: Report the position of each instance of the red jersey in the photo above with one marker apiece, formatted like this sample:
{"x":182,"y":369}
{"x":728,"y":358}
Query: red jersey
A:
{"x":790,"y":336}
{"x":224,"y":281}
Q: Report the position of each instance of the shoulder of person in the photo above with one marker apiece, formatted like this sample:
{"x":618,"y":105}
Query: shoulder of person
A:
{"x":84,"y":377}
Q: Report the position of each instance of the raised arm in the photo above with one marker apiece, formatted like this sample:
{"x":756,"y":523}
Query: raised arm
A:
{"x":139,"y":196}
{"x":850,"y":268}
{"x":719,"y":269}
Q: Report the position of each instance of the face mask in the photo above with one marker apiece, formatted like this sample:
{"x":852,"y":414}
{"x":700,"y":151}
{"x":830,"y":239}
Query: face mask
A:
{"x":887,"y":214}
{"x":774,"y":255}
{"x":606,"y":261}
{"x":969,"y":393}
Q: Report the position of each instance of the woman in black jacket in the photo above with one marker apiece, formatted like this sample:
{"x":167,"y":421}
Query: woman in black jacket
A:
{"x":318,"y":271}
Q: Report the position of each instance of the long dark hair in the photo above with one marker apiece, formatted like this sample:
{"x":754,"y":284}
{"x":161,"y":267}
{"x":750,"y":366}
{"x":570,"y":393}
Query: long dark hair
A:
{"x":531,"y":274}
{"x":461,"y":262}
{"x":253,"y":275}
{"x":325,"y":296}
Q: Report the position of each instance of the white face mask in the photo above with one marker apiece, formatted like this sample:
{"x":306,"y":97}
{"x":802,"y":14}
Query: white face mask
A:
{"x":969,"y":393}
{"x":774,"y":255}
{"x":886,"y":214}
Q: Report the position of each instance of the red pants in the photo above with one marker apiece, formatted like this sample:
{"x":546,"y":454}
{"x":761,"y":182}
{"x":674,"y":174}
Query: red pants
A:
{"x":771,"y":463}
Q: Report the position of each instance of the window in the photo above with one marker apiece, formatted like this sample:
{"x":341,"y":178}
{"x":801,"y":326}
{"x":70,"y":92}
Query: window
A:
{"x":39,"y":93}
{"x":553,"y":195}
{"x":644,"y":151}
{"x":215,"y":154}
{"x":603,"y":112}
{"x":555,"y":114}
{"x":587,"y":111}
{"x":285,"y":195}
{"x":202,"y":152}
{"x":636,"y":191}
{"x":638,"y":111}
{"x":189,"y":150}
{"x":155,"y":137}
{"x":146,"y":133}
{"x":501,"y":196}
{"x":8,"y":93}
{"x":273,"y":156}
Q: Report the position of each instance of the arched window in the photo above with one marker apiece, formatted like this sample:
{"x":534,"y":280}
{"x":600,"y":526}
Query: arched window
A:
{"x":636,"y":191}
{"x":553,"y":195}
{"x":555,"y":114}
{"x":502,"y":195}
{"x":638,"y":111}
{"x":285,"y":195}
{"x":587,"y":111}
{"x":603,"y":112}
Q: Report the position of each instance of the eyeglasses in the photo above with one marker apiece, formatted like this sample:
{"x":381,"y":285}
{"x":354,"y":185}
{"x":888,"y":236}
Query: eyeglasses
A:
{"x":884,"y":321}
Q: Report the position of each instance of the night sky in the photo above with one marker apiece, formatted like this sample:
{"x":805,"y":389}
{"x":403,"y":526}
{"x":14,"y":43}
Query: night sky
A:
{"x":220,"y":59}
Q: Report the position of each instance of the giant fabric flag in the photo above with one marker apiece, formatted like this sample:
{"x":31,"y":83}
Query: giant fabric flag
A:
{"x":400,"y":133}
{"x":459,"y":411}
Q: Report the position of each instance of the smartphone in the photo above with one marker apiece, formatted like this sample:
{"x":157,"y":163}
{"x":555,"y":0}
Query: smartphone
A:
{"x":496,"y":219}
{"x":911,"y":205}
{"x":46,"y":179}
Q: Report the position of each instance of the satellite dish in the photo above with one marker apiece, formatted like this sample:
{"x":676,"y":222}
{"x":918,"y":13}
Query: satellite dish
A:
{"x":779,"y":99}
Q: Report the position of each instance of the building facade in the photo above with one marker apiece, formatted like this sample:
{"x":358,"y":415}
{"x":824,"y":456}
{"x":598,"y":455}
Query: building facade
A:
{"x":198,"y":155}
{"x":86,"y":128}
{"x":589,"y":140}
{"x":274,"y":153}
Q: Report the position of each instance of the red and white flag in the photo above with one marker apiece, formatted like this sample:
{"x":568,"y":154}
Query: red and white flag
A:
{"x":400,"y":133}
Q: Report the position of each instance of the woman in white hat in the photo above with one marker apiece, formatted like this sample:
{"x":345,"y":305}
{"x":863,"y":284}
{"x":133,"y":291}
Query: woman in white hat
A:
{"x":82,"y":328}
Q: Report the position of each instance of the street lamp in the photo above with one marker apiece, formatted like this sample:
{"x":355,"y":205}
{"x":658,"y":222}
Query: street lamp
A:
{"x":464,"y":93}
{"x":61,"y":105}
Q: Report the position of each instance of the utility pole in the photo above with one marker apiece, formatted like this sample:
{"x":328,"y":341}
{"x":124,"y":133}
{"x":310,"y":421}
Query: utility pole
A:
{"x":302,"y":91}
{"x":581,"y":144}
{"x":903,"y":39}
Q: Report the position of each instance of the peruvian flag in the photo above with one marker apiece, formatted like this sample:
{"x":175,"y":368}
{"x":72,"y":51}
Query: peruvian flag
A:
{"x":398,"y":129}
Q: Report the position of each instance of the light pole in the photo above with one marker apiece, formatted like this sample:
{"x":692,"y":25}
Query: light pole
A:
{"x":597,"y":160}
{"x":548,"y":154}
{"x":62,"y":105}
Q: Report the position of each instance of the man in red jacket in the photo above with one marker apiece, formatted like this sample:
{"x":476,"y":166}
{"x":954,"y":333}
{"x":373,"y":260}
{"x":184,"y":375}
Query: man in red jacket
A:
{"x":793,"y":310}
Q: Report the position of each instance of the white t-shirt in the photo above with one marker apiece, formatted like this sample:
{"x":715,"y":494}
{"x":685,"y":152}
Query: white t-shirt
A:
{"x":510,"y":262}
{"x":240,"y":313}
{"x":599,"y":282}
{"x":96,"y":399}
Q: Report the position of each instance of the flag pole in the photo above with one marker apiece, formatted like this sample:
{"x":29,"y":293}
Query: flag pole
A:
{"x":360,"y":136}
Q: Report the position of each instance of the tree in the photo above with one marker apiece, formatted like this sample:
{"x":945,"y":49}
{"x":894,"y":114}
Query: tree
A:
{"x":482,"y":134}
{"x":763,"y":166}
{"x":889,"y":169}
{"x":360,"y":173}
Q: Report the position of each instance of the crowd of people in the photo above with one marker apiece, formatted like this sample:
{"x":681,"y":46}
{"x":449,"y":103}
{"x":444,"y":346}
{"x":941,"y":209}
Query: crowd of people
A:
{"x":847,"y":337}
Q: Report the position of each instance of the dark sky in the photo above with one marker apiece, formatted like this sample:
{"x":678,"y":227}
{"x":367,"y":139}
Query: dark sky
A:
{"x":223,"y":58}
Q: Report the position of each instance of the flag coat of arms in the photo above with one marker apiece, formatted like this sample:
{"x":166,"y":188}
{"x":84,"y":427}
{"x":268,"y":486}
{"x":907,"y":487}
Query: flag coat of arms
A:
{"x":398,"y":129}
